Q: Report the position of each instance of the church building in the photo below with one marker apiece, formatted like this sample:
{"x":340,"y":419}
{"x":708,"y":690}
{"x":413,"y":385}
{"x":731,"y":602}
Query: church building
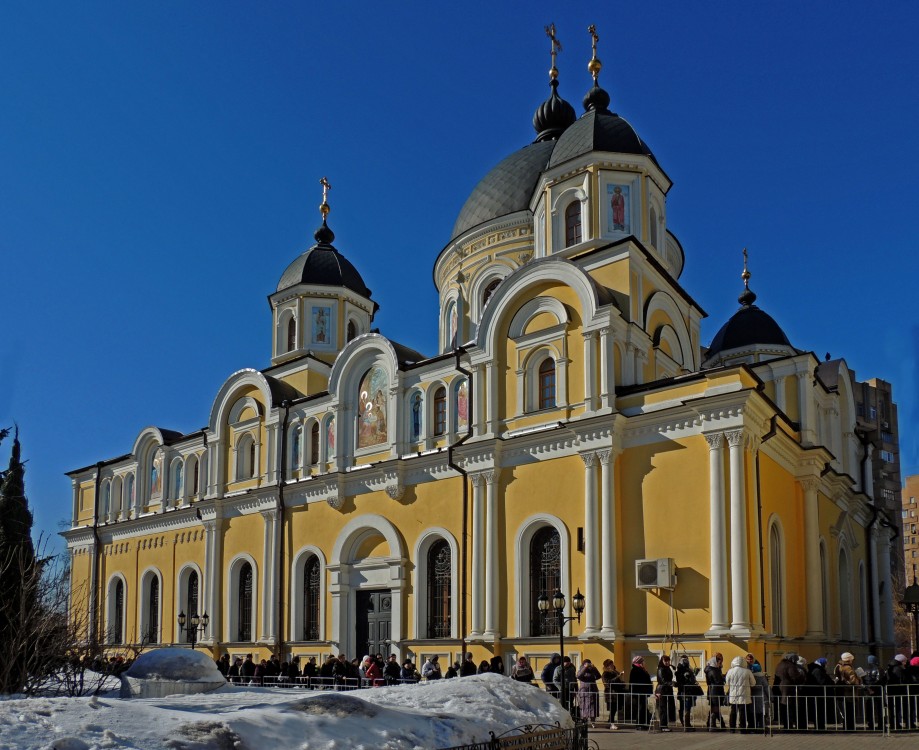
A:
{"x":572,"y":433}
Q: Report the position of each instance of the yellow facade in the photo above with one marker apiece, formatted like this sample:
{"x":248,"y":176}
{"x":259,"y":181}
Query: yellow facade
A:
{"x":569,"y":432}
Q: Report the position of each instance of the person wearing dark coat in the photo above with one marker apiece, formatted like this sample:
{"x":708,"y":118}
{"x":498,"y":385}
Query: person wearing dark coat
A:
{"x":714,"y":679}
{"x":688,"y":690}
{"x":640,"y":687}
{"x":409,"y":673}
{"x":614,"y":688}
{"x":497,"y":665}
{"x":548,"y":675}
{"x":392,"y":670}
{"x":666,"y":707}
{"x":484,"y":667}
{"x":790,"y":678}
{"x":897,"y":686}
{"x":468,"y":666}
{"x":223,"y":664}
{"x":571,"y":679}
{"x":248,"y":667}
{"x":818,"y":692}
{"x":233,"y":671}
{"x":452,"y":671}
{"x":327,"y":670}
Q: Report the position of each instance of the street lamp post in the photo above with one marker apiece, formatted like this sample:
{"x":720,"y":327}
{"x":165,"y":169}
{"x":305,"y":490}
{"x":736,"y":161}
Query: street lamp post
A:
{"x":911,"y":605}
{"x":558,"y":604}
{"x":195,"y":623}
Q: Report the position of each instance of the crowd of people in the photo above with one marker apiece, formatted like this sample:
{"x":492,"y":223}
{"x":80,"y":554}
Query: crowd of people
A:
{"x":803,"y":695}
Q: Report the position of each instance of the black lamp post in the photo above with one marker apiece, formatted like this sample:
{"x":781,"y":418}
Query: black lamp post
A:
{"x":558,"y":604}
{"x":911,"y":605}
{"x":195,"y":623}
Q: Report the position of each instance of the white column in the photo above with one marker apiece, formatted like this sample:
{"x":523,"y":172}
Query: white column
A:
{"x":492,"y":572}
{"x":491,"y":398}
{"x":93,"y":594}
{"x":740,"y":565}
{"x":478,"y":557}
{"x":213,"y":577}
{"x":478,"y":401}
{"x":780,"y":393}
{"x":814,"y":576}
{"x":590,"y":379}
{"x":591,"y":548}
{"x":609,"y":569}
{"x":806,"y":416}
{"x":718,"y":554}
{"x":269,"y":576}
{"x":606,"y":370}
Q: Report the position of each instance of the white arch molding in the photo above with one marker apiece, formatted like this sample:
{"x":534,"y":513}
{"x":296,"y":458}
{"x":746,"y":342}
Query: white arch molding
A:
{"x":232,"y":620}
{"x":427,"y":539}
{"x":110,"y":610}
{"x":296,"y":590}
{"x":347,"y":575}
{"x":525,"y":533}
{"x":143,"y":604}
{"x":181,"y":594}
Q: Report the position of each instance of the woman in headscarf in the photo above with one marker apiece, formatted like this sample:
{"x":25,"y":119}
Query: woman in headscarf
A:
{"x":640,"y":687}
{"x":521,"y":671}
{"x":588,"y":695}
{"x":613,"y":688}
{"x":714,"y":678}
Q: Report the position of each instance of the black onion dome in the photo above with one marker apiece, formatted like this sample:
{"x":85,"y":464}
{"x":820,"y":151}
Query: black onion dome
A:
{"x":323,"y":265}
{"x":749,"y":326}
{"x":506,"y":189}
{"x":553,"y":116}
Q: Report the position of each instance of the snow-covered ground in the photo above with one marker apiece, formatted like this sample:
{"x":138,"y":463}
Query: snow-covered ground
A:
{"x":426,"y":716}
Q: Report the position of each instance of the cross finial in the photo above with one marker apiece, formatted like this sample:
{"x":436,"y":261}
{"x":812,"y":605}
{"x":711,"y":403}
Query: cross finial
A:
{"x":746,"y":273}
{"x":594,"y":65}
{"x":555,"y":49}
{"x":326,"y":187}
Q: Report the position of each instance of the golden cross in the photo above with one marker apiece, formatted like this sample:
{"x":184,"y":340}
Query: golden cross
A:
{"x":556,"y":48}
{"x":326,"y":187}
{"x":592,"y":30}
{"x":594,"y":65}
{"x":746,"y":274}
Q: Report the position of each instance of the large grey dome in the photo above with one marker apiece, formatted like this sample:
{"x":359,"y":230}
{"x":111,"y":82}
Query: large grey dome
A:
{"x":506,"y":189}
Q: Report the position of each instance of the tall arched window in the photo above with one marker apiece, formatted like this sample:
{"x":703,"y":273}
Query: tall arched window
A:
{"x":177,"y":476}
{"x":845,"y":595}
{"x":776,"y":579}
{"x":291,"y":334}
{"x":106,"y":500}
{"x":295,"y":447}
{"x":547,"y":384}
{"x":573,"y":224}
{"x":653,"y":222}
{"x":129,"y":491}
{"x":489,"y":290}
{"x":153,"y":611}
{"x":244,"y":603}
{"x":314,"y":444}
{"x":440,"y":411}
{"x":352,"y":330}
{"x":196,"y":477}
{"x":439,"y":589}
{"x":191,"y":601}
{"x":252,"y":467}
{"x":311,"y":573}
{"x":417,"y":407}
{"x":116,"y":632}
{"x":545,"y":578}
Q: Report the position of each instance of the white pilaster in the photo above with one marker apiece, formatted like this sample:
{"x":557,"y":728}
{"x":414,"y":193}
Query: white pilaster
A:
{"x":213,"y":576}
{"x":270,"y":577}
{"x":814,"y":577}
{"x":609,"y":568}
{"x":740,"y":566}
{"x":591,"y":548}
{"x":492,"y":571}
{"x":607,"y":387}
{"x":718,"y":554}
{"x":590,"y":377}
{"x":478,"y":557}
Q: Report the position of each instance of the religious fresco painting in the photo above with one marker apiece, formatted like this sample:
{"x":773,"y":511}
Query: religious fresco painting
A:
{"x":462,"y":405}
{"x":417,"y":404}
{"x":371,"y":422}
{"x":330,"y":439}
{"x":617,"y":208}
{"x":155,"y":485}
{"x":322,"y":325}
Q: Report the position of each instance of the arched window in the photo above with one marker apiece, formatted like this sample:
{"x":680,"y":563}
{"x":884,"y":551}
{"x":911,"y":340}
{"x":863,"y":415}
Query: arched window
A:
{"x":547,"y":384}
{"x":245,"y":458}
{"x":314,"y":444}
{"x":489,"y":290}
{"x":440,"y":411}
{"x":153,"y":611}
{"x":372,"y":419}
{"x":573,"y":224}
{"x":845,"y":595}
{"x":116,"y":631}
{"x":129,"y":491}
{"x":244,"y":604}
{"x":191,"y":600}
{"x":295,"y":447}
{"x":196,"y":477}
{"x":545,"y":578}
{"x":653,"y":223}
{"x":106,"y":500}
{"x":311,"y":580}
{"x":776,"y":580}
{"x":177,"y":476}
{"x":352,"y":330}
{"x":291,"y":334}
{"x":439,"y":588}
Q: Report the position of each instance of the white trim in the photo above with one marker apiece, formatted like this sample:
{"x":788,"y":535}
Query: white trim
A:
{"x":110,"y":609}
{"x":296,"y":591}
{"x":181,"y":597}
{"x":425,"y":541}
{"x":525,"y":533}
{"x":143,"y":610}
{"x":232,"y":578}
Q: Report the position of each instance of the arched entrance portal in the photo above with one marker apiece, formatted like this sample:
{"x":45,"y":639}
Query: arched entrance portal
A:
{"x":366,"y":583}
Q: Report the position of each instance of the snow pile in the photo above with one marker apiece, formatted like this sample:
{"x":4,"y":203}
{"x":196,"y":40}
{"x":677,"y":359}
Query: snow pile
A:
{"x":169,"y":671}
{"x":406,"y":717}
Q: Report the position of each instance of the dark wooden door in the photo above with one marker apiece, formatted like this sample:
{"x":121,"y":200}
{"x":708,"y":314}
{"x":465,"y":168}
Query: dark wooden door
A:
{"x":374,"y":622}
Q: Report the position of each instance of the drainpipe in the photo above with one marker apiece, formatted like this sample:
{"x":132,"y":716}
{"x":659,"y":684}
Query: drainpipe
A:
{"x":759,"y":511}
{"x":282,"y":473}
{"x":470,"y":411}
{"x":872,"y":550}
{"x":95,"y":636}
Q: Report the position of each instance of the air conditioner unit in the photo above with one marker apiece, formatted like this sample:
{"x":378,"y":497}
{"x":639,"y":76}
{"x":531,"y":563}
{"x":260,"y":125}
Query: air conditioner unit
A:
{"x":655,"y":574}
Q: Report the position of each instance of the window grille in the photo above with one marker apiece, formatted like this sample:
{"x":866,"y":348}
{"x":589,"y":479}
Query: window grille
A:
{"x":153,"y":608}
{"x":545,"y":578}
{"x":440,"y":411}
{"x":547,"y":384}
{"x":439,"y":585}
{"x":244,"y":603}
{"x":573,"y":224}
{"x":117,"y":634}
{"x":311,"y":600}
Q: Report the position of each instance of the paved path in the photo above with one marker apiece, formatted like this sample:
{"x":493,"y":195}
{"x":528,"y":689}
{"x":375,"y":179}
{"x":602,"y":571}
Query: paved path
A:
{"x":680,"y":740}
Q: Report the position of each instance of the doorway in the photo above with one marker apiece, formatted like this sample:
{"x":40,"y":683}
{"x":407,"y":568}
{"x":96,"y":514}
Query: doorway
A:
{"x":373,"y":622}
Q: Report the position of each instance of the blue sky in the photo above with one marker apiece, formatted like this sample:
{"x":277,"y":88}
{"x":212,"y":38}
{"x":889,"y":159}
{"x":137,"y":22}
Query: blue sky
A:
{"x":159,"y":167}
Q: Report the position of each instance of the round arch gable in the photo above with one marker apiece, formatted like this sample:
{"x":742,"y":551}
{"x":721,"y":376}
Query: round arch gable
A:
{"x":533,"y":273}
{"x":661,"y":301}
{"x":227,"y":397}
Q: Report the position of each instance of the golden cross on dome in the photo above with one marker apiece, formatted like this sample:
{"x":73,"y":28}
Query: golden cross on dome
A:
{"x":326,"y":187}
{"x":594,"y":65}
{"x":746,"y":274}
{"x":556,"y":48}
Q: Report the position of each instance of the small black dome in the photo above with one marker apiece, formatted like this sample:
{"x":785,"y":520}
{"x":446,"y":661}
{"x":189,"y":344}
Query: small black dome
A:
{"x":598,"y":130}
{"x":507,"y":188}
{"x":553,"y":116}
{"x":748,"y":327}
{"x":323,"y":265}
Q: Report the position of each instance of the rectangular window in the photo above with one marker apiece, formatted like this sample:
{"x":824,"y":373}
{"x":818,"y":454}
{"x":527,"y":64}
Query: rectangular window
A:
{"x":440,"y":412}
